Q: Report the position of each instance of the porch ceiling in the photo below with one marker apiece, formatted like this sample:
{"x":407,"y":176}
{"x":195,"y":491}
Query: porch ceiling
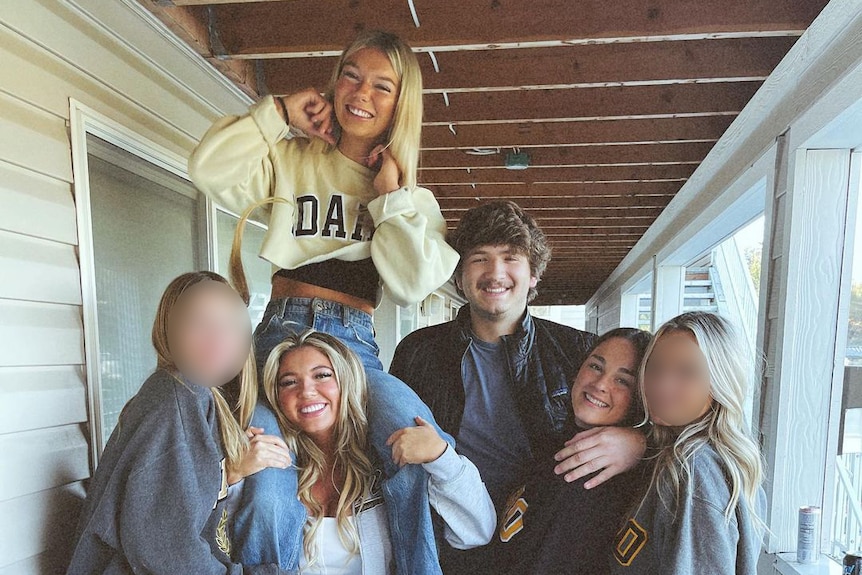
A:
{"x":616,"y":108}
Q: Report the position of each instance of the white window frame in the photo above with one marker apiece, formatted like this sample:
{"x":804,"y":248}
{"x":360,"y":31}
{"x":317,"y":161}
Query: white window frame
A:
{"x":84,"y":121}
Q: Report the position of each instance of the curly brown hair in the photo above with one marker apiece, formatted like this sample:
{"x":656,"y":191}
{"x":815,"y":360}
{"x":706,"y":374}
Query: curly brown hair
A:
{"x":498,"y":224}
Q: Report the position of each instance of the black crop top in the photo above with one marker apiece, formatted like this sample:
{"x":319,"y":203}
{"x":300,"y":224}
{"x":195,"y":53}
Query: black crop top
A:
{"x":359,"y":279}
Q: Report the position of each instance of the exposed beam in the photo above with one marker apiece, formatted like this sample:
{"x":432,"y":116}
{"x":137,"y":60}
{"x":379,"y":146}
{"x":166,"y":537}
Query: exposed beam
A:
{"x":630,"y":214}
{"x":610,"y":132}
{"x":305,"y":26}
{"x":203,"y":2}
{"x":590,"y":103}
{"x":678,"y":172}
{"x":192,"y":25}
{"x":572,"y":155}
{"x":612,"y":203}
{"x":573,"y":66}
{"x":607,"y":224}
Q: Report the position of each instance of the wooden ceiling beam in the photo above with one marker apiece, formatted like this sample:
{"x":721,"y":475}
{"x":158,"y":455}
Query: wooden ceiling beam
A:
{"x":550,"y":190}
{"x":574,"y":155}
{"x":572,"y":66}
{"x":618,"y":202}
{"x":590,"y":103}
{"x":305,"y":26}
{"x":204,"y":2}
{"x":192,"y":25}
{"x":619,"y":131}
{"x":631,"y":214}
{"x":600,"y":224}
{"x":676,"y":172}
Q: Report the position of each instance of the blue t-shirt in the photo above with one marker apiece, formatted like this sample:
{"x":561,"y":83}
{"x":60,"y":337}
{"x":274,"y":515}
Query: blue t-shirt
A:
{"x":492,"y":435}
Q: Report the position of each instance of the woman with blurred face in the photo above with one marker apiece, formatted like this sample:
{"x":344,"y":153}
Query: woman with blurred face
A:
{"x":336,"y":174}
{"x":158,"y":502}
{"x":318,"y":390}
{"x":700,"y":511}
{"x":552,"y":526}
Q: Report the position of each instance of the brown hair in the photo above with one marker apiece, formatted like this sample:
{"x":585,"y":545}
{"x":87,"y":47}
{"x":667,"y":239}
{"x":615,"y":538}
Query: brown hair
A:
{"x":639,"y":340}
{"x":497,"y":224}
{"x":234,"y":440}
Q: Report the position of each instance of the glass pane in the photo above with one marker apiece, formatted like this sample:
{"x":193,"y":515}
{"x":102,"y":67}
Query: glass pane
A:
{"x":847,"y":516}
{"x":145,"y":233}
{"x":571,"y":315}
{"x":258,"y":271}
{"x":726,"y":281}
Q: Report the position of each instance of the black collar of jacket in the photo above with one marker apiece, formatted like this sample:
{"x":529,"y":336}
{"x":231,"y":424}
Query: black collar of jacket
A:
{"x":518,"y":344}
{"x":541,"y":389}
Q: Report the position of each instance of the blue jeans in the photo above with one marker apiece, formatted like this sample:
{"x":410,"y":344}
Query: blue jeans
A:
{"x":268,"y":525}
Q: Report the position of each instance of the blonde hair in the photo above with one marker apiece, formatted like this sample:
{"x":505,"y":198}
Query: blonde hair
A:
{"x":723,"y":427}
{"x":406,"y":130}
{"x":234,"y":440}
{"x":350,"y":436}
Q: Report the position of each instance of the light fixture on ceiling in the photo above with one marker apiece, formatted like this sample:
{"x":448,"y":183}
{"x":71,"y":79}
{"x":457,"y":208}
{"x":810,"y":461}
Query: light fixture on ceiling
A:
{"x":515,"y":160}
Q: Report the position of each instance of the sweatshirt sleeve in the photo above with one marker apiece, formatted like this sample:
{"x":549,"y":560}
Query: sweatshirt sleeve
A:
{"x":699,"y":541}
{"x":409,"y":246}
{"x":166,"y":504}
{"x":459,"y":496}
{"x":233,"y":163}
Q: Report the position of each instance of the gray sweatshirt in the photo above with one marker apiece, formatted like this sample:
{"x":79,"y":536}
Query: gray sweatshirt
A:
{"x":698,"y":539}
{"x":157,"y":502}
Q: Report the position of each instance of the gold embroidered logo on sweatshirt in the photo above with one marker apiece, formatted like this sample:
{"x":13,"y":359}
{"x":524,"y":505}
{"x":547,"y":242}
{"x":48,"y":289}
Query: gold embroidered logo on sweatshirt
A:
{"x":513,"y":522}
{"x":630,"y":540}
{"x":222,"y":538}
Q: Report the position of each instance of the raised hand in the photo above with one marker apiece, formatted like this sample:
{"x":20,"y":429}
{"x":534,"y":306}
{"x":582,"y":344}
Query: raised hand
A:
{"x":388,"y":178}
{"x":309,"y":112}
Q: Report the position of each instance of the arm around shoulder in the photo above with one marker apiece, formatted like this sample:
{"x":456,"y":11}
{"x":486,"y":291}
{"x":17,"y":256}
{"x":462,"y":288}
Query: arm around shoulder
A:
{"x":459,"y":496}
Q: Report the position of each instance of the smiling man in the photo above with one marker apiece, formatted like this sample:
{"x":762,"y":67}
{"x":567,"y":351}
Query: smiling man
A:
{"x":496,"y":378}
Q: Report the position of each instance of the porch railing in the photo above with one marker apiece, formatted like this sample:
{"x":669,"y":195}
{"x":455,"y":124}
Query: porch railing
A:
{"x":847,"y":516}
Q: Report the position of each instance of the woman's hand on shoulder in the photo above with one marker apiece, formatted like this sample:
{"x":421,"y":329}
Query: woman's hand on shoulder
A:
{"x":310,"y":112}
{"x":263,"y":451}
{"x":420,"y":444}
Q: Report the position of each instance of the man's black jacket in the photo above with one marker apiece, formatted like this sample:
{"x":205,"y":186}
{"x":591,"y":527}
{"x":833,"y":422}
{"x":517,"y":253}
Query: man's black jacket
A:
{"x":543,"y":359}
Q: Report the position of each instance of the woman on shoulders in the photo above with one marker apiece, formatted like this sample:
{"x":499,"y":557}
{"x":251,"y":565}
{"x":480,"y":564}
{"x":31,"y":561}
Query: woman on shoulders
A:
{"x":337,"y":177}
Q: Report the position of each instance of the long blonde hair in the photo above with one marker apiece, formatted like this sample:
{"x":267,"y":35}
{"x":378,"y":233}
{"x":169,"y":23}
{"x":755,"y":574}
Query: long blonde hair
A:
{"x":350,"y":435}
{"x":406,"y":130}
{"x":234,"y":440}
{"x":723,"y":427}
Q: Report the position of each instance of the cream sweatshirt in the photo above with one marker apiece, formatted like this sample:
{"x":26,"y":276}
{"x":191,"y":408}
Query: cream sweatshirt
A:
{"x":243,"y":160}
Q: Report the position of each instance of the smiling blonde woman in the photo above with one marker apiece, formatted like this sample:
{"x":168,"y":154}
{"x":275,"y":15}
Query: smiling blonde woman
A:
{"x":335,"y":175}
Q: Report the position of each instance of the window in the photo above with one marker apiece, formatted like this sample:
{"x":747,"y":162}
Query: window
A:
{"x":570,"y":315}
{"x":140,"y":223}
{"x":636,"y":305}
{"x":145,"y":231}
{"x":726,"y":281}
{"x":258,"y":272}
{"x":846,"y":528}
